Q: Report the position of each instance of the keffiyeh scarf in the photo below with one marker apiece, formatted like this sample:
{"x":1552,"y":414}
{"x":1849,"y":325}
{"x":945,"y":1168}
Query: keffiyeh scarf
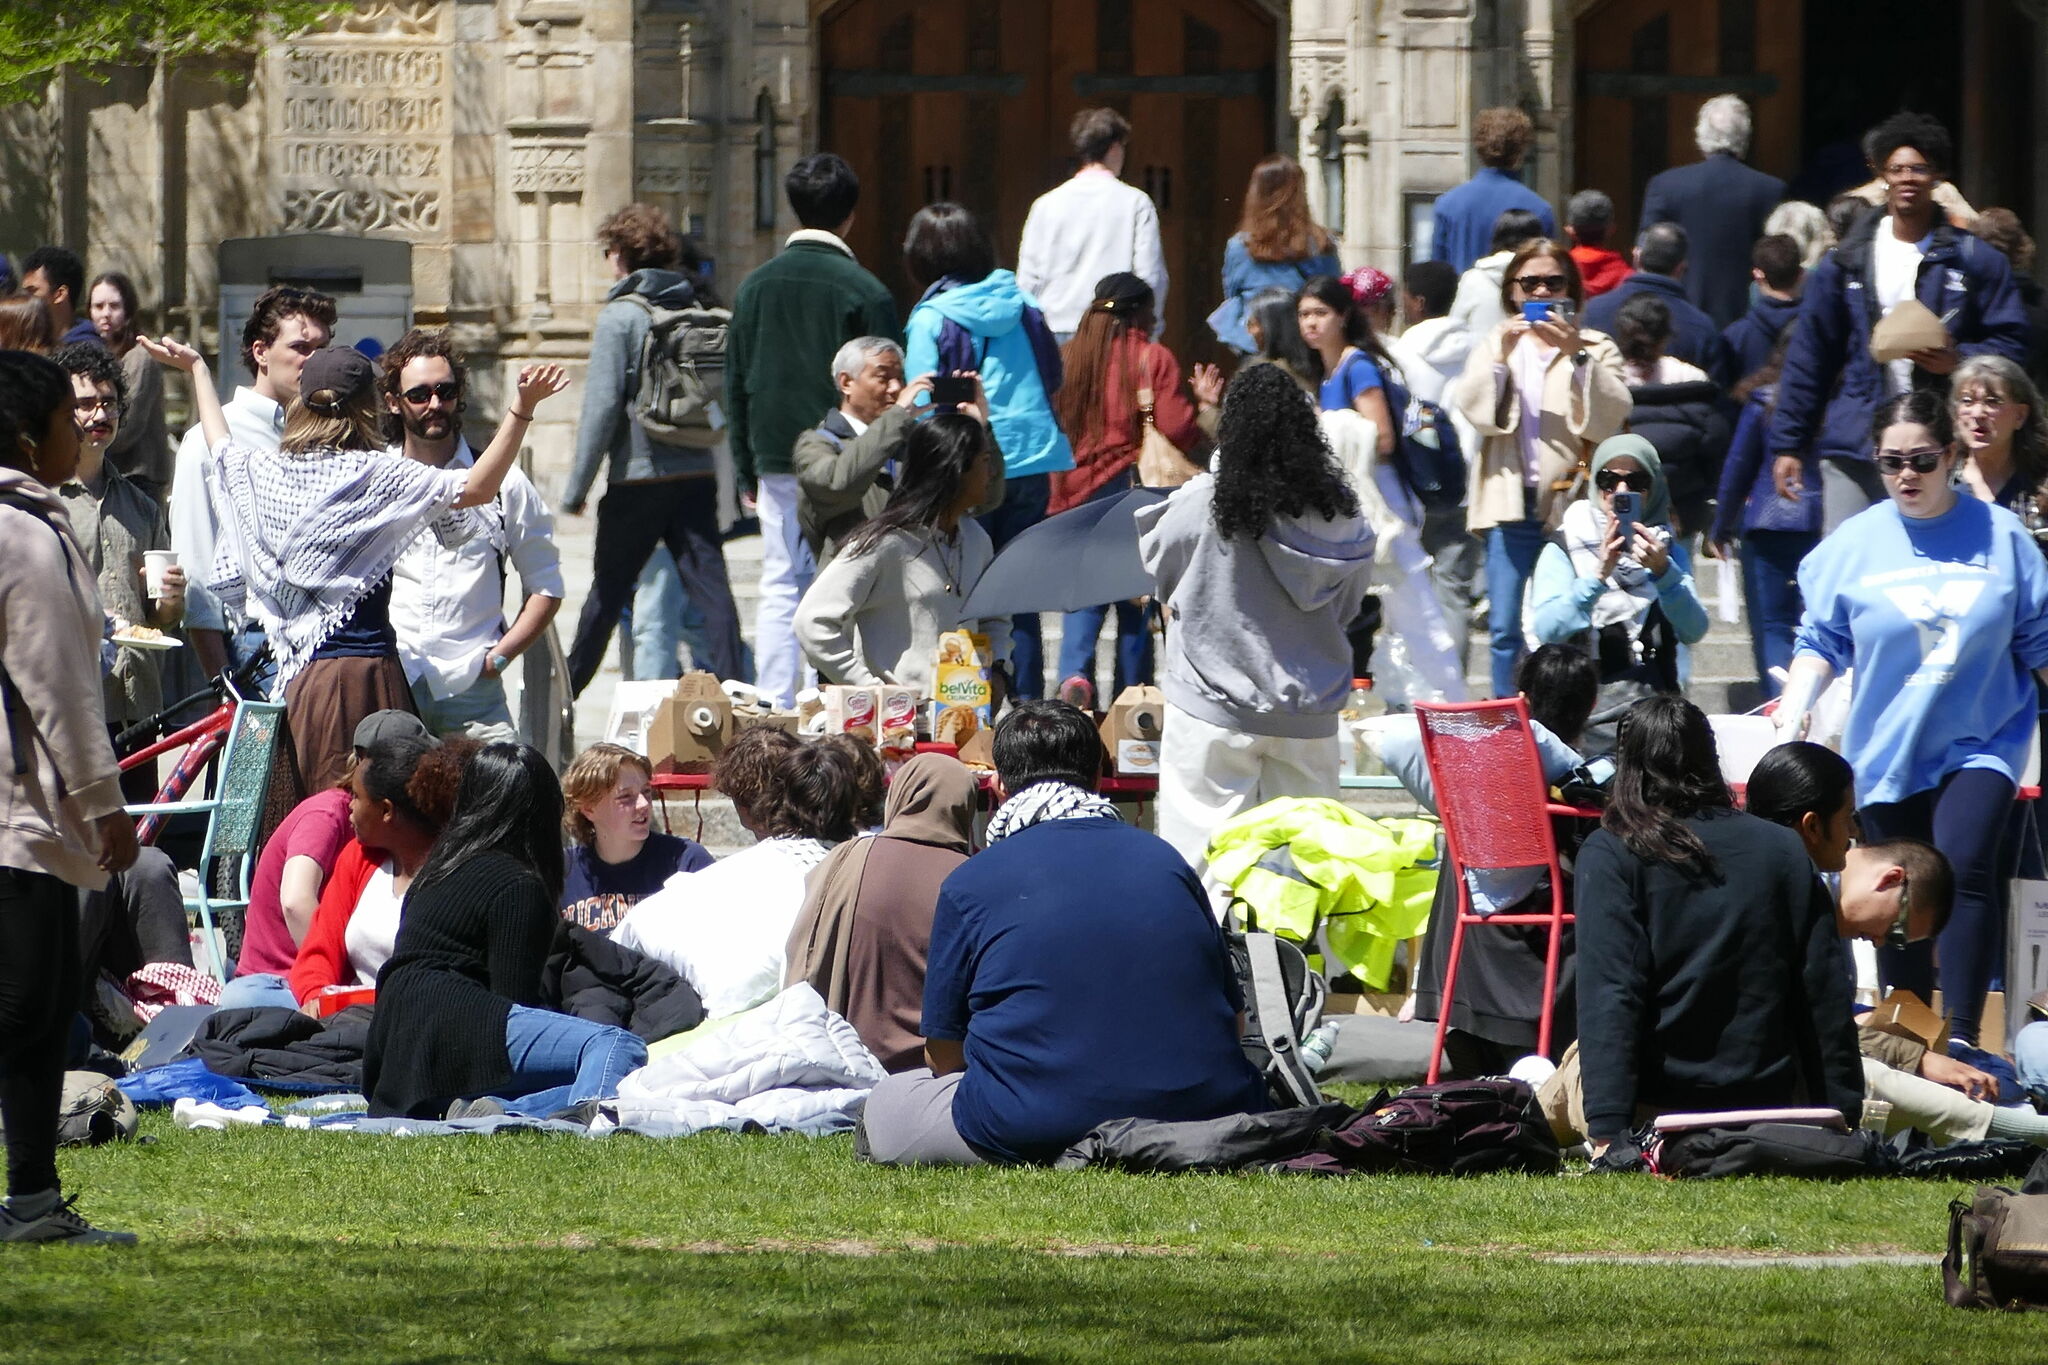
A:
{"x":1630,"y":591}
{"x":1043,"y":801}
{"x":307,"y":535}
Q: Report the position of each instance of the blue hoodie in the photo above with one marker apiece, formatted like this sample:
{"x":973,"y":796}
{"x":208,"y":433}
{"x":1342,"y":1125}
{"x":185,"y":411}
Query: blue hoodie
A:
{"x":995,"y":327}
{"x":1942,"y":618}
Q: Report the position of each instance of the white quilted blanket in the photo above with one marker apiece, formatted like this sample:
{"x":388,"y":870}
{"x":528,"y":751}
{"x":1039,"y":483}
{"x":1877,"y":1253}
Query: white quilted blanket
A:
{"x":788,"y":1065}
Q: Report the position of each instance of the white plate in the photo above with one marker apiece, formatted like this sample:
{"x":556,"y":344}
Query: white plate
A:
{"x":148,"y":642}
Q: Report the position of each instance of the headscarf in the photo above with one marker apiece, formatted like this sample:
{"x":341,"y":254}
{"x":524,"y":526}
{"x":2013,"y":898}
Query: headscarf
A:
{"x":1630,"y":590}
{"x":932,"y":802}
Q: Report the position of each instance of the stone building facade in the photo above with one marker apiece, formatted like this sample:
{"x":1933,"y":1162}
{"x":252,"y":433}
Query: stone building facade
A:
{"x":493,"y":135}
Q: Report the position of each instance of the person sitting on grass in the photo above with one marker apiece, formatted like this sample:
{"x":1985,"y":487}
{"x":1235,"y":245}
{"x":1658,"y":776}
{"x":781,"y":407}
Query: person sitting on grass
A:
{"x":1036,"y":1025}
{"x":458,"y":1029}
{"x":401,"y":796}
{"x":1710,"y":968}
{"x":1886,"y":890}
{"x":291,"y":875}
{"x":867,"y":924}
{"x":615,"y":859}
{"x":726,"y":928}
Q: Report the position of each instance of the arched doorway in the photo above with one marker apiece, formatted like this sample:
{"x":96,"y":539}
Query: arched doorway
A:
{"x":931,"y":99}
{"x":1817,"y":74}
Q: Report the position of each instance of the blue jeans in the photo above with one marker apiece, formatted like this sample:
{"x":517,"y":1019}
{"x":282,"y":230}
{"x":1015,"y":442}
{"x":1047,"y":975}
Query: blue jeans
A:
{"x":1023,"y":508}
{"x":480,"y":712}
{"x":1079,"y":632}
{"x":559,"y":1061}
{"x":1770,"y":594}
{"x":1511,"y":551}
{"x":243,"y":645}
{"x":260,"y":990}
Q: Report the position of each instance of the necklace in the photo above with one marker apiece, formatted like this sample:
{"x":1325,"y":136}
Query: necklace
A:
{"x":950,"y":572}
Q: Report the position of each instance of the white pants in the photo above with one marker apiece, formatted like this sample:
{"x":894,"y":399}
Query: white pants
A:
{"x":1208,"y":774}
{"x":786,"y":572}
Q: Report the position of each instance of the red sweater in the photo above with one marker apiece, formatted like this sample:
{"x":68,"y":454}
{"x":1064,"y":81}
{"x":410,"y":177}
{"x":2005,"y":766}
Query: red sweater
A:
{"x":1600,"y":268}
{"x":1136,"y":363}
{"x":323,"y":957}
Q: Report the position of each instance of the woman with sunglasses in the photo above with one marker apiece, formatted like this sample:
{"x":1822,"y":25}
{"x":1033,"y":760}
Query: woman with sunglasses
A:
{"x":1539,"y":391}
{"x":1940,"y":604}
{"x":1621,"y":591}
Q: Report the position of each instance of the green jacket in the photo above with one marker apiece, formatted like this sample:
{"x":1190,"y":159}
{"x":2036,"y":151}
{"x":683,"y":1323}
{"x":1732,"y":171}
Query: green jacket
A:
{"x":793,"y":313}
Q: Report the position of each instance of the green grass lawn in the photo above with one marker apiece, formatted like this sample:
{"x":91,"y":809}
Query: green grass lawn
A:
{"x":319,"y":1246}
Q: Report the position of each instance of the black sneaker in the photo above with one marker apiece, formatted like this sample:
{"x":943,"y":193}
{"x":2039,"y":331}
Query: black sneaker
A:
{"x":61,"y":1224}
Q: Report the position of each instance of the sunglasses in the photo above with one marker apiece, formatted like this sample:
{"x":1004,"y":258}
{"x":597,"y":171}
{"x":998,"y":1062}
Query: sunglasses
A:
{"x":1639,"y":481}
{"x":1550,"y":284}
{"x":447,"y":391}
{"x":1922,"y":461}
{"x":1895,"y":937}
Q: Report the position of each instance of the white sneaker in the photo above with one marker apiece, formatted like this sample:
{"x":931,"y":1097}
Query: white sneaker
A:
{"x":1534,"y":1068}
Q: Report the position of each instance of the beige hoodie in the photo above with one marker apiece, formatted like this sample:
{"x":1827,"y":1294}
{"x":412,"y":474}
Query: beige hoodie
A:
{"x":57,"y":769}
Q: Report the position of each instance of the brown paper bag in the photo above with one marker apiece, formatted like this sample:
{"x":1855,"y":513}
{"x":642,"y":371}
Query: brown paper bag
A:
{"x":1910,"y":326}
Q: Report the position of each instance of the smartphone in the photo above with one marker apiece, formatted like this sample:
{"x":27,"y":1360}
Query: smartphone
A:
{"x":949,"y":391}
{"x":1538,"y":310}
{"x":1628,"y":512}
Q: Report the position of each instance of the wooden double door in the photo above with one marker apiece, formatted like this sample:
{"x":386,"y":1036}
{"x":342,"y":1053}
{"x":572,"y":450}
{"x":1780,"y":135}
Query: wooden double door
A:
{"x":934,"y":99}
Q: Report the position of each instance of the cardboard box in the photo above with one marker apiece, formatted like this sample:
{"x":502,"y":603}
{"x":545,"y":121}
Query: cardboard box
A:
{"x":1131,"y":732}
{"x":691,"y":728}
{"x":1903,"y":1014}
{"x":856,"y":711}
{"x":745,"y":719}
{"x":896,"y":725}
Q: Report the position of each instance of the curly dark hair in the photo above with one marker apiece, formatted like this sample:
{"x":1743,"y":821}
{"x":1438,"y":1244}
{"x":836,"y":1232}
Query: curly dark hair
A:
{"x":279,"y":302}
{"x":643,"y":237}
{"x":418,"y":344}
{"x":872,"y":778}
{"x":32,"y":391}
{"x":98,"y":365}
{"x":747,"y":770}
{"x":1275,"y":461}
{"x":1921,"y":132}
{"x":419,"y":776}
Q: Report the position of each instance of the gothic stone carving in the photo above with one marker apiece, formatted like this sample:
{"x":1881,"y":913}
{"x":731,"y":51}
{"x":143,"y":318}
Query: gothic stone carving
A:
{"x":389,"y":19}
{"x":415,"y":213}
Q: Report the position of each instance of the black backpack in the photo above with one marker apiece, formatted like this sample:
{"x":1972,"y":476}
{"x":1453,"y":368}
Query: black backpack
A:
{"x":1450,"y":1128}
{"x":1283,"y":1002}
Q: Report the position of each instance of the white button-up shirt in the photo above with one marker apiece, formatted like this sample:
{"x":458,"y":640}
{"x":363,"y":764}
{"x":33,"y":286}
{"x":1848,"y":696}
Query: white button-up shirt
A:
{"x":448,"y":605}
{"x":254,"y":422}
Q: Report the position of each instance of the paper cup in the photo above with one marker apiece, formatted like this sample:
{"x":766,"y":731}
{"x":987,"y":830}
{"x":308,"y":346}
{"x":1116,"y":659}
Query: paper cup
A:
{"x":154,"y":562}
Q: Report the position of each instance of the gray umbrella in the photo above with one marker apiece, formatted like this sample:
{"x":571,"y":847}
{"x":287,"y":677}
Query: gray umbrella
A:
{"x":1084,"y":557}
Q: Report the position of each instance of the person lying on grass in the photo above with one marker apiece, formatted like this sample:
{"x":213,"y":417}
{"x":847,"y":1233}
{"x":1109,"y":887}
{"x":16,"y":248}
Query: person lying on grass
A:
{"x":1895,"y":889}
{"x":1075,"y":976}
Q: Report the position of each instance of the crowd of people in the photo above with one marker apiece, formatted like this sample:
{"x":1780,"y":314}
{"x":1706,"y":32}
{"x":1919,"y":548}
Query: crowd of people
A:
{"x":1529,"y":429}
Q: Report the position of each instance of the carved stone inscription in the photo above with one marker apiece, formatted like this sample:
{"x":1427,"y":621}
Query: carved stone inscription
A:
{"x":362,"y":126}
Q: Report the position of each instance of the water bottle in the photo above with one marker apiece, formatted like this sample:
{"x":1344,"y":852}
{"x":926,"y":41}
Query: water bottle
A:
{"x":1316,"y":1048}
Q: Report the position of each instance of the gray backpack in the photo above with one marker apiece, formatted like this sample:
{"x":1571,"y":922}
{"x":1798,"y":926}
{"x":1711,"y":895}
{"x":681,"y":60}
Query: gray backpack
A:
{"x":1283,"y":1003}
{"x":681,"y":393}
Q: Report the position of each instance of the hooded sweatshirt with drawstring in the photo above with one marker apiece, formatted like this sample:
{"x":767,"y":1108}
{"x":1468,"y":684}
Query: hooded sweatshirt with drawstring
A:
{"x":57,"y":770}
{"x":1256,"y":642}
{"x":996,"y":328}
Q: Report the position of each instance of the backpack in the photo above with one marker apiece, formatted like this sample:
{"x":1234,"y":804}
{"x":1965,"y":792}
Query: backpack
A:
{"x":1997,"y":1253}
{"x":1427,"y":454}
{"x":1283,"y":1002}
{"x":1450,"y":1128}
{"x":681,"y":387}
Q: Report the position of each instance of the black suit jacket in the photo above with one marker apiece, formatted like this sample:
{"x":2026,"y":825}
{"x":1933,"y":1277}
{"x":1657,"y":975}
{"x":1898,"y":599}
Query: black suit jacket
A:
{"x":1721,"y":203}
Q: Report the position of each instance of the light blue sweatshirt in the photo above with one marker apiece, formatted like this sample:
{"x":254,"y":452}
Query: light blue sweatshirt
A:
{"x":1942,"y":619}
{"x":1561,"y":602}
{"x":1020,"y":411}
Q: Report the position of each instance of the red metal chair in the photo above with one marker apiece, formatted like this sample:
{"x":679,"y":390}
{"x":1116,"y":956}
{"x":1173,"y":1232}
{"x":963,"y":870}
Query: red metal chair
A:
{"x":1496,"y":811}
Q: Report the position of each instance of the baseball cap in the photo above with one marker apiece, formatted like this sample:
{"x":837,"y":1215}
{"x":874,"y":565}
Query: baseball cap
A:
{"x":344,"y":369}
{"x":383,"y":725}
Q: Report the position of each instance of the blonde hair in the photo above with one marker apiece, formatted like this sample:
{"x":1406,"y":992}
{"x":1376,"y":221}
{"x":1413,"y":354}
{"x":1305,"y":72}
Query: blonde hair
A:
{"x":355,"y":423}
{"x":592,"y":775}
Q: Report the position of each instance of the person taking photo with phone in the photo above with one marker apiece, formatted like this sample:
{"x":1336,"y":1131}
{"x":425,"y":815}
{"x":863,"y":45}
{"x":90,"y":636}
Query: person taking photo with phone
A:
{"x":1615,"y":582}
{"x":1540,"y":392}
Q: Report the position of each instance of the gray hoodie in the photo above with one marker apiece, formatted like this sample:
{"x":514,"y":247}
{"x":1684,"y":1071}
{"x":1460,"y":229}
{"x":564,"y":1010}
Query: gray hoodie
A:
{"x":606,"y":428}
{"x":1256,"y":639}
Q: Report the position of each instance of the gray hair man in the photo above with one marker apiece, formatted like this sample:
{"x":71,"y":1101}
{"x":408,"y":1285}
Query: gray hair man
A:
{"x":1722,"y":205}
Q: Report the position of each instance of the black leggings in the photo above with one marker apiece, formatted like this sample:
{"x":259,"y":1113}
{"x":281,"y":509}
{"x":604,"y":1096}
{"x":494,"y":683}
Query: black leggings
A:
{"x":1968,"y":817}
{"x":38,"y":996}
